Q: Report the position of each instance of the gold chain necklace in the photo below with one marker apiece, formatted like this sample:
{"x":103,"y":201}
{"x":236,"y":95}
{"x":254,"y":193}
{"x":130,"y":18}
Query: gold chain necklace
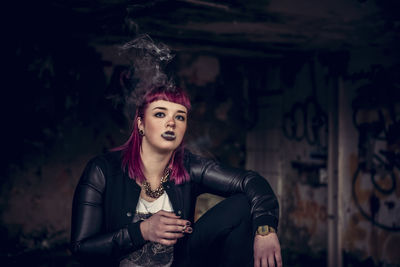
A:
{"x":160,"y":189}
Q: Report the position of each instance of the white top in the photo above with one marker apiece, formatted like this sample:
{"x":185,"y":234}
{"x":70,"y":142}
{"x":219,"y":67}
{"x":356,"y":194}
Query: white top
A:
{"x":161,"y":203}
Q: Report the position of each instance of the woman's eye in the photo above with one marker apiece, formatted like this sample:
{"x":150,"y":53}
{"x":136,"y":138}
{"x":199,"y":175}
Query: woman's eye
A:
{"x":180,"y":118}
{"x":159,"y":115}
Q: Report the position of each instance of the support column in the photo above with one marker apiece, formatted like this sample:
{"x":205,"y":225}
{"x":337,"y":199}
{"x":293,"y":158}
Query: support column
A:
{"x":334,"y":254}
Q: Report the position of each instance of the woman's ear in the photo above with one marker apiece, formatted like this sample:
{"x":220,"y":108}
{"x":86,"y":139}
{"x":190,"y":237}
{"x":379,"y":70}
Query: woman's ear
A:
{"x":139,"y":123}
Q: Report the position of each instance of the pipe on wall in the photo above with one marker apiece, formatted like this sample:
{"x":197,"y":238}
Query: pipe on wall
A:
{"x":334,"y":255}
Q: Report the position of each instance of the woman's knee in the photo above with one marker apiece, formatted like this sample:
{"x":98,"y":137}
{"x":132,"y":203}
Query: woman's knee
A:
{"x":240,"y":202}
{"x":238,"y":206}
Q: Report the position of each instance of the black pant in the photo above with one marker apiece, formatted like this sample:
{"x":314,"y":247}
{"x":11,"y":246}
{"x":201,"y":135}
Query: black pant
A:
{"x":222,"y":236}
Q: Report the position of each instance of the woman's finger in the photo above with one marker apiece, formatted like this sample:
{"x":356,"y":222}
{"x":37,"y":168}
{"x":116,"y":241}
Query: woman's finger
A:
{"x":271,"y":261}
{"x":168,"y":214}
{"x":264,"y":262}
{"x":169,"y":235}
{"x":170,"y":221}
{"x":173,"y":228}
{"x":178,"y":229}
{"x":278,"y":259}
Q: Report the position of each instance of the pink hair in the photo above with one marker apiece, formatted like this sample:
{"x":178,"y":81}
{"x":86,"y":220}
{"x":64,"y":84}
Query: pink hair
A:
{"x":131,"y":159}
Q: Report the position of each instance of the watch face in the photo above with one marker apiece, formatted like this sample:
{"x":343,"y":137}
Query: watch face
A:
{"x":265,"y":230}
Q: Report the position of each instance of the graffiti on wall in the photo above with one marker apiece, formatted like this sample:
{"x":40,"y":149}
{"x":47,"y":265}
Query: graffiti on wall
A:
{"x":306,"y":121}
{"x":375,"y":184}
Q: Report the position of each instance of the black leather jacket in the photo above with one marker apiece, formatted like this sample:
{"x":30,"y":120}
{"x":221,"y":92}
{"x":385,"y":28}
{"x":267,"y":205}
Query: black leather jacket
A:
{"x":105,"y":202}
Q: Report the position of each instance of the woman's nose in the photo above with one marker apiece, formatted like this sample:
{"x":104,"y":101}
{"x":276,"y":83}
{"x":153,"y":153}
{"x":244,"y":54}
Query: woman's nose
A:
{"x":171,"y":122}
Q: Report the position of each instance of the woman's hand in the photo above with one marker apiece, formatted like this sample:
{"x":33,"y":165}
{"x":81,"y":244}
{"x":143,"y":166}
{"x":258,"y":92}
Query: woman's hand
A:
{"x":267,"y":251}
{"x":164,"y":227}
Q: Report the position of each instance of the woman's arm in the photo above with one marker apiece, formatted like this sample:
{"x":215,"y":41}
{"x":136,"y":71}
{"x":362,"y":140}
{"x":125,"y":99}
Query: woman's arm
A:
{"x":223,"y":180}
{"x":88,"y":236}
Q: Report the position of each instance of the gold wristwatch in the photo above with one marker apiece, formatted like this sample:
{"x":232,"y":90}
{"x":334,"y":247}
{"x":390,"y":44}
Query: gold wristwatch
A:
{"x":265,"y":230}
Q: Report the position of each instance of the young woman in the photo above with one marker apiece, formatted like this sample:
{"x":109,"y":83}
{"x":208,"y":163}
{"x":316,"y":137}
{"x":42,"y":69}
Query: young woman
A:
{"x":135,"y":206}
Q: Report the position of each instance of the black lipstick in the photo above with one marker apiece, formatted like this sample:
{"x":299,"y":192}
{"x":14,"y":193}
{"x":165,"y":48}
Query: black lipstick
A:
{"x":169,"y":136}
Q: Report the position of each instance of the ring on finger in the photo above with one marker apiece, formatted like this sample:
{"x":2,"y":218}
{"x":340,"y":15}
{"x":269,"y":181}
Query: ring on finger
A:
{"x":184,"y":228}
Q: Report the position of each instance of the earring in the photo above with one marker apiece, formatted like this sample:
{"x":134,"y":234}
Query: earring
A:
{"x":141,"y":132}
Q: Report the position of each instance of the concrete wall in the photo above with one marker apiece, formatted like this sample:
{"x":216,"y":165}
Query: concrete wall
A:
{"x":368,"y":159}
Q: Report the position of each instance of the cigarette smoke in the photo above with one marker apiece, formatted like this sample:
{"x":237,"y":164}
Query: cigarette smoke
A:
{"x":147,"y":60}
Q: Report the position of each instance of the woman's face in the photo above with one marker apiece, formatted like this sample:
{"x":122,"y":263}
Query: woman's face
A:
{"x":164,"y":126}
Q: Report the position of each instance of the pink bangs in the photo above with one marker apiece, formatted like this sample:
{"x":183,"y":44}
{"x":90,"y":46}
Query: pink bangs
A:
{"x":177,"y":96}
